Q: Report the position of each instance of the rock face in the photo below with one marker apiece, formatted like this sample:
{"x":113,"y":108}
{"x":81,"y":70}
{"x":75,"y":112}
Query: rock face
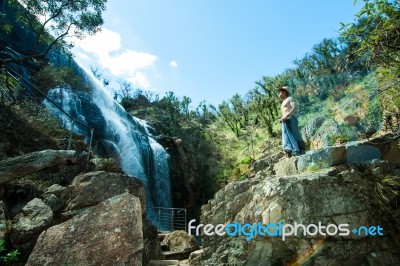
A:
{"x":338,"y":195}
{"x":90,"y":189}
{"x":29,"y":223}
{"x":34,"y":162}
{"x":109,"y":233}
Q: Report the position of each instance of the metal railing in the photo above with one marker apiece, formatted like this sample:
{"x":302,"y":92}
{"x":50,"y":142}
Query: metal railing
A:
{"x":169,"y":219}
{"x":6,"y":95}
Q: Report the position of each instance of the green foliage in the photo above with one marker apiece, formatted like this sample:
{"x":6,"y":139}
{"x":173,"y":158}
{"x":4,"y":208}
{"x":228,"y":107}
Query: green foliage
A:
{"x":257,"y":108}
{"x":38,"y":116}
{"x":59,"y":19}
{"x":232,"y":119}
{"x":264,"y":103}
{"x":241,"y":178}
{"x":246,"y":160}
{"x":313,"y":167}
{"x":339,"y":140}
{"x":127,"y":102}
{"x":7,"y":28}
{"x":389,"y":82}
{"x":48,"y":77}
{"x":205,"y":113}
{"x":7,"y":258}
{"x":376,"y":32}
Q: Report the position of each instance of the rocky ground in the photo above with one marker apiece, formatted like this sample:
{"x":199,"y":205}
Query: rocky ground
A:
{"x":99,"y":218}
{"x":359,"y":194}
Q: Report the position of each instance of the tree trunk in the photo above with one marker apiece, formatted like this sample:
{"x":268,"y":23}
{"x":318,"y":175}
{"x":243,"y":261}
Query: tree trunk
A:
{"x":33,"y":162}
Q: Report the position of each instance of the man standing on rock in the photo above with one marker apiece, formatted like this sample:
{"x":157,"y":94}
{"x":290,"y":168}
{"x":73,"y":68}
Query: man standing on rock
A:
{"x":291,"y":138}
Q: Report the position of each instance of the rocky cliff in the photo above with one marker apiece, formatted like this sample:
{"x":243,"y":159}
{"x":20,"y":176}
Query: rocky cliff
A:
{"x":347,"y":196}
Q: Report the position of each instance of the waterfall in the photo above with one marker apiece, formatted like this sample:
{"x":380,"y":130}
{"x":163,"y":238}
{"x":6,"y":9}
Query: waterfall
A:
{"x":161,"y":167}
{"x":126,"y":136}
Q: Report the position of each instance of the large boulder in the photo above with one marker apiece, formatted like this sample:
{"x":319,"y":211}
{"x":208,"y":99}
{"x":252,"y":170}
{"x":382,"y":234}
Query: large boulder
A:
{"x":55,"y":189}
{"x":33,"y":162}
{"x":180,"y":241}
{"x":34,"y":217}
{"x":91,"y":188}
{"x":109,"y":233}
{"x":353,"y":195}
{"x":52,"y":197}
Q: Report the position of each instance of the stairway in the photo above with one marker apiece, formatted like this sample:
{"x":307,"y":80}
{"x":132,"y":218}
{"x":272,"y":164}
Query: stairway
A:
{"x":171,"y":257}
{"x":169,"y":262}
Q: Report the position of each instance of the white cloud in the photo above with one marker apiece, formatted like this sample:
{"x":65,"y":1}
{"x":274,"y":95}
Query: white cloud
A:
{"x":140,"y":79}
{"x":173,"y":64}
{"x":102,"y":43}
{"x":127,"y":64}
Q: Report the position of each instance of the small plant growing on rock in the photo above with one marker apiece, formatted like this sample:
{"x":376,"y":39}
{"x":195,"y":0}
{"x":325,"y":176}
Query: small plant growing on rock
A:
{"x":340,"y":140}
{"x":243,"y":177}
{"x":9,"y":257}
{"x":313,"y":167}
{"x":387,"y":189}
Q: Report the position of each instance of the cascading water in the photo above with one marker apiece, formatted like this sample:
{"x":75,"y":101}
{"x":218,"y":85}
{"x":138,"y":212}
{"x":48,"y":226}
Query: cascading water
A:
{"x":128,"y":138}
{"x":160,"y":166}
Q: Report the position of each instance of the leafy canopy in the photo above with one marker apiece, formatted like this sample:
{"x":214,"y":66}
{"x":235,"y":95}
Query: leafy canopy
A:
{"x":377,"y":31}
{"x":53,"y":21}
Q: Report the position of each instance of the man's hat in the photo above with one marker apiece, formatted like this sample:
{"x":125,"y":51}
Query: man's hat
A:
{"x":285,"y":88}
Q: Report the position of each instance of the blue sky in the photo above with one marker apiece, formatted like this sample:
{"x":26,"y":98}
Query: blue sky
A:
{"x":208,"y":49}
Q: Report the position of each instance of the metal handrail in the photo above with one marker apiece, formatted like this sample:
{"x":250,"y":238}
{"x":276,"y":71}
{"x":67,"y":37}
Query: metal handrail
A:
{"x":170,"y":219}
{"x":17,"y":77}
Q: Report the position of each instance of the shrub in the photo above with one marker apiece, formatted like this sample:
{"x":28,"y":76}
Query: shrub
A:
{"x":8,"y":257}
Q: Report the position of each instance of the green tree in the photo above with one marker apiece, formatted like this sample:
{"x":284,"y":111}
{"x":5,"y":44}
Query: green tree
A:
{"x":377,"y":31}
{"x":265,"y":108}
{"x":125,"y":93}
{"x":184,"y":106}
{"x":205,"y":113}
{"x":239,"y":108}
{"x":230,"y":118}
{"x":51,"y":22}
{"x":324,"y":67}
